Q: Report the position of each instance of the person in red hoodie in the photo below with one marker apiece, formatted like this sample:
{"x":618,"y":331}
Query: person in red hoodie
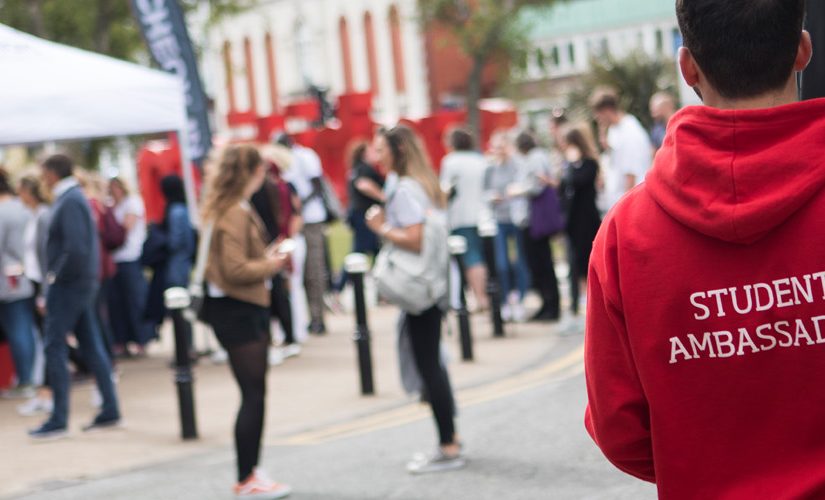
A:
{"x":705,"y":338}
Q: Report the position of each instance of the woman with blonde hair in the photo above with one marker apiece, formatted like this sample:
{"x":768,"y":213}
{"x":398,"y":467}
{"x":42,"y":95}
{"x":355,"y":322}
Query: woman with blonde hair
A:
{"x":417,"y":193}
{"x":239,"y":264}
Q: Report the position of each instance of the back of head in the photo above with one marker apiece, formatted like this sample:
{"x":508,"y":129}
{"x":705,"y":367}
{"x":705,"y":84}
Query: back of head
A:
{"x":581,"y":137}
{"x":35,"y":188}
{"x":745,"y":48}
{"x":525,"y":142}
{"x":461,"y":140}
{"x":172,"y":188}
{"x":283,"y":139}
{"x":60,"y":165}
{"x":228,"y":179}
{"x":604,"y":98}
{"x":410,"y":159}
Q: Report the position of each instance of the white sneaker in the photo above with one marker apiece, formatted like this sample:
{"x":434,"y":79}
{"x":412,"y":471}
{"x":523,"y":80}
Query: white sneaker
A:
{"x":517,"y":310}
{"x":506,"y":312}
{"x":276,"y":356}
{"x":291,"y":350}
{"x":36,"y":406}
{"x":97,"y":399}
{"x":19,"y":392}
{"x":219,"y":357}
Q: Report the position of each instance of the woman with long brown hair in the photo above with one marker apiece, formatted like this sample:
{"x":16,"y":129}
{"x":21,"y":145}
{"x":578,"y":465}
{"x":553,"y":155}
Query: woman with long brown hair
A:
{"x":578,"y":194}
{"x":417,"y":193}
{"x":238,"y":266}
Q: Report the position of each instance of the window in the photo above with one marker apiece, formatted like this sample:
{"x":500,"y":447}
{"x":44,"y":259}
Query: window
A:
{"x":571,"y":54}
{"x":660,"y":42}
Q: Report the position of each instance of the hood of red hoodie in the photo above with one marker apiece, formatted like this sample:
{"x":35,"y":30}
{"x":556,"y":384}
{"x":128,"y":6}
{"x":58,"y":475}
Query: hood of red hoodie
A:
{"x":737,"y":175}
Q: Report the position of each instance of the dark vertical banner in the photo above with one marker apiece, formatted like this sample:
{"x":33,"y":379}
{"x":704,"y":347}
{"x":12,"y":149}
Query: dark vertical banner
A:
{"x":164,"y":29}
{"x":813,"y":79}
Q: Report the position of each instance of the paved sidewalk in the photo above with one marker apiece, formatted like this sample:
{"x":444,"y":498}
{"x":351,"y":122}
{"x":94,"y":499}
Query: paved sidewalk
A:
{"x":318,"y":390}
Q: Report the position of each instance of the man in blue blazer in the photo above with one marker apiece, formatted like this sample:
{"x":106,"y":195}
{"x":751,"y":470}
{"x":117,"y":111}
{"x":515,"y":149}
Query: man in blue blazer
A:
{"x":72,"y":274}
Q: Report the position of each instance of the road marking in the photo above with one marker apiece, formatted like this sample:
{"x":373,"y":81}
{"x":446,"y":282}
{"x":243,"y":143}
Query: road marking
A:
{"x":564,"y":368}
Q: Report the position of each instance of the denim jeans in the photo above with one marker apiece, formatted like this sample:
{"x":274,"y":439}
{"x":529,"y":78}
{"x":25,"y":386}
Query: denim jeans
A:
{"x":508,"y":271}
{"x":128,"y":292}
{"x":71,"y":309}
{"x":17,"y":320}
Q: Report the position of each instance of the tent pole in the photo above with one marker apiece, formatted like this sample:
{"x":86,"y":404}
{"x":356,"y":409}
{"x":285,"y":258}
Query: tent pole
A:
{"x":188,"y":178}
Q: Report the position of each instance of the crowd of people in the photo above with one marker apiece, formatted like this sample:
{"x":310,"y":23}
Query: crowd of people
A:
{"x":267,"y":209}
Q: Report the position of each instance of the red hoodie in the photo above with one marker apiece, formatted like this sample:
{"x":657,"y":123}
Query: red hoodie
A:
{"x":705,"y":341}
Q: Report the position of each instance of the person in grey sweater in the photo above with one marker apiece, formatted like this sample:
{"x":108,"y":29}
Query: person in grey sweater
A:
{"x":16,"y":290}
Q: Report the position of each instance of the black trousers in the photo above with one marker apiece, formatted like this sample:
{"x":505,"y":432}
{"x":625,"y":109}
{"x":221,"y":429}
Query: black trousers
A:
{"x":281,"y":307}
{"x":425,"y":337}
{"x":540,"y":260}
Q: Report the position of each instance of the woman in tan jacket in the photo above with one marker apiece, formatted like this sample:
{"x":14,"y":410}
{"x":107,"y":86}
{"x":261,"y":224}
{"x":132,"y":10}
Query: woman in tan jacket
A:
{"x":238,"y":267}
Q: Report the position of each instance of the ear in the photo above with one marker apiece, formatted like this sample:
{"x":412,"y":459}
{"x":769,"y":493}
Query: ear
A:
{"x":690,"y":70}
{"x":804,"y":53}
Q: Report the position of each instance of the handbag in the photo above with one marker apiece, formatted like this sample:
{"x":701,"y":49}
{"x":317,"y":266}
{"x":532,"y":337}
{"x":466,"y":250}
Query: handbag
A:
{"x":415,"y":281}
{"x":197,"y":288}
{"x":545,"y":214}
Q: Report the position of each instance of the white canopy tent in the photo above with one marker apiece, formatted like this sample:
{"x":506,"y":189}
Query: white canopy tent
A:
{"x":52,"y":92}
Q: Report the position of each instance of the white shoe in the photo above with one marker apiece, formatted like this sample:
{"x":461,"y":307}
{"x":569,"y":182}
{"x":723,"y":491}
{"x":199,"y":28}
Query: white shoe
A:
{"x":35,"y":406}
{"x":219,"y":357}
{"x":259,"y":486}
{"x":517,"y":310}
{"x":97,"y":399}
{"x":506,"y":313}
{"x":276,"y":356}
{"x":291,"y":350}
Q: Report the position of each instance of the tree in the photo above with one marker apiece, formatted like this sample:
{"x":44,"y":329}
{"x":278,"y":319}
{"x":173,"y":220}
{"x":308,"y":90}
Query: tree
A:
{"x":487,"y":31}
{"x":637,"y":77}
{"x":102,"y":26}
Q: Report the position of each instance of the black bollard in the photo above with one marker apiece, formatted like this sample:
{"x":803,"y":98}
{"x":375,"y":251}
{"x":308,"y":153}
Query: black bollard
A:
{"x":458,"y":247}
{"x":177,"y":300}
{"x":356,"y":266}
{"x":488,"y":231}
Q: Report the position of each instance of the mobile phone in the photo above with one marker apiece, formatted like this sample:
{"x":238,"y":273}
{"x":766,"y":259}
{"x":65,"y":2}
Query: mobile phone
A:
{"x":286,"y":246}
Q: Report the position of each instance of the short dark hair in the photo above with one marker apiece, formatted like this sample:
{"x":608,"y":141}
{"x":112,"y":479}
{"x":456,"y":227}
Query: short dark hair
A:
{"x":61,"y":165}
{"x":745,"y":48}
{"x":604,"y":98}
{"x":525,"y":142}
{"x":462,"y":140}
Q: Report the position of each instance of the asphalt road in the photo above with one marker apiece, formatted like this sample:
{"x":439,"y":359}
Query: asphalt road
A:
{"x":524,"y":440}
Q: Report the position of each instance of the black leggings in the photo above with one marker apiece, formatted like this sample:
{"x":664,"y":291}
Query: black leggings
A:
{"x":540,"y":260}
{"x":281,"y":307}
{"x":249,"y":365}
{"x":425,"y":337}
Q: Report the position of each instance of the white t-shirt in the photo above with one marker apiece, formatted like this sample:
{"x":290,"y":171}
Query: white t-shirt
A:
{"x":133,"y":246}
{"x":465,"y":170}
{"x":306,"y":165}
{"x":630,"y":153}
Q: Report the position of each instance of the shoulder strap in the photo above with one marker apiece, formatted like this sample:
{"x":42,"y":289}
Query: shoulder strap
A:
{"x":203,"y":254}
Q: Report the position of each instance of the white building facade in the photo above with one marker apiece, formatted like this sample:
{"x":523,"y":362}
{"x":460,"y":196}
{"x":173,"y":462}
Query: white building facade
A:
{"x":263,"y":59}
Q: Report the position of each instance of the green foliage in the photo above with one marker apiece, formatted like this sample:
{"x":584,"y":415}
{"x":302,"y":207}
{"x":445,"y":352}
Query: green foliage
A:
{"x":103,"y":26}
{"x":487,"y":31}
{"x":637,"y":77}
